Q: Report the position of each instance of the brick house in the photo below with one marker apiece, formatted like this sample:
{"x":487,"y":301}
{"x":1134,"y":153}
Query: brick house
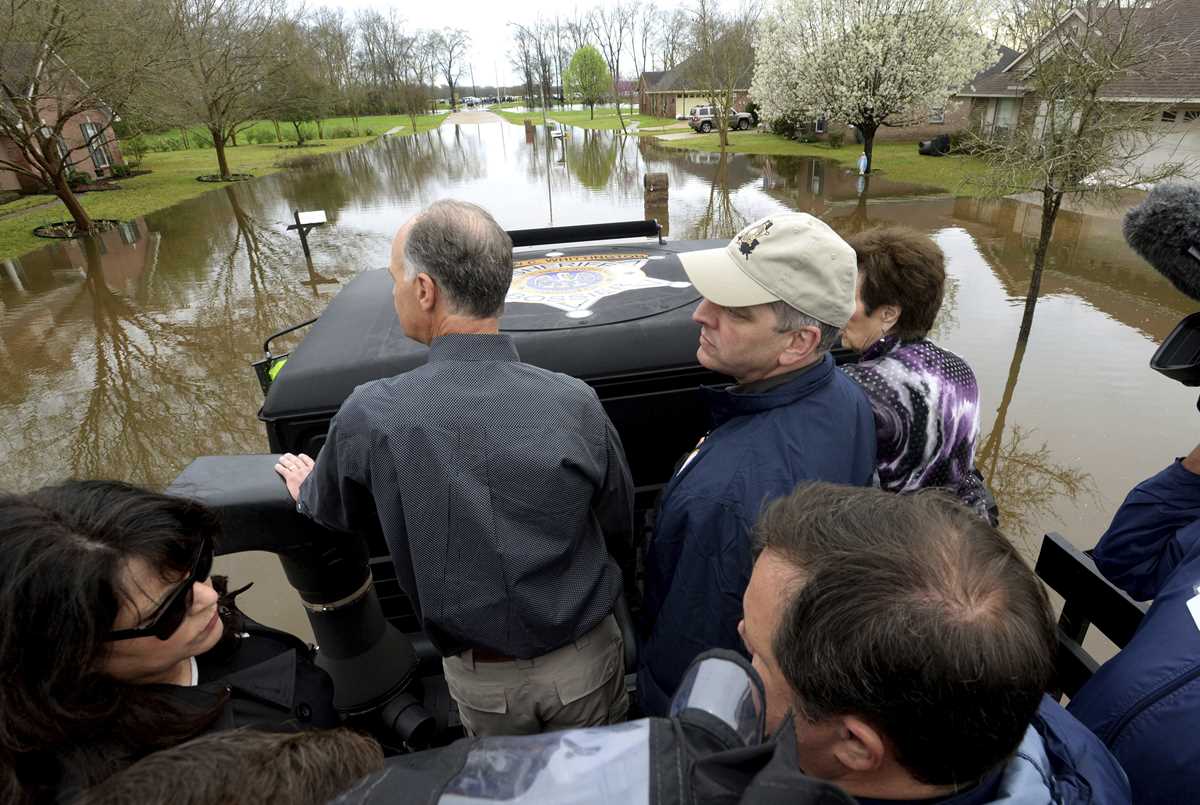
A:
{"x":84,"y":140}
{"x":671,"y":93}
{"x":1000,"y":100}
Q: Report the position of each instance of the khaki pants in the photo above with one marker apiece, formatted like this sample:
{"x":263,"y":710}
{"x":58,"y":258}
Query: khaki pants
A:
{"x":581,"y":684}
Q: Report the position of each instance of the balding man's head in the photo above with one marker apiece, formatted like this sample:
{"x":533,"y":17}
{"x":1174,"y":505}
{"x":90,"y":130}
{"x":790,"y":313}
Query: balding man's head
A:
{"x":464,"y":250}
{"x":908,"y":614}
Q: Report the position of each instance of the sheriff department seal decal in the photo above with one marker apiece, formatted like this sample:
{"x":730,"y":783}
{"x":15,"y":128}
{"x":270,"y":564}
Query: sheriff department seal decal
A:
{"x":573,"y":283}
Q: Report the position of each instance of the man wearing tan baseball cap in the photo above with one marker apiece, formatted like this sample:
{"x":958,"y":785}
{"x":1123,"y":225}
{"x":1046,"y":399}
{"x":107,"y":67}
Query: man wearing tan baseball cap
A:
{"x":775,"y":301}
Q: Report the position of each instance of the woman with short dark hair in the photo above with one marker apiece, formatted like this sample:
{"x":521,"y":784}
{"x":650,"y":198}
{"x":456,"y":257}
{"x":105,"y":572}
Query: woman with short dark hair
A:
{"x":925,"y":399}
{"x":115,"y":642}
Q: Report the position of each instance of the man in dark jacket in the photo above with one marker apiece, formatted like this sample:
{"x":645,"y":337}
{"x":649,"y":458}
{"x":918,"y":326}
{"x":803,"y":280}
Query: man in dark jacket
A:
{"x":1145,"y":702}
{"x":910,"y":645}
{"x":775,"y":301}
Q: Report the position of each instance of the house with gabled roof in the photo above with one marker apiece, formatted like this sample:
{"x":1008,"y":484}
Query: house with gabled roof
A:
{"x":672,"y":93}
{"x":1002,"y":101}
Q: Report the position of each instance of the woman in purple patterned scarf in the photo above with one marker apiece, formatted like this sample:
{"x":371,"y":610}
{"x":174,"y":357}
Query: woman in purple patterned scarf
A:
{"x":925,"y":399}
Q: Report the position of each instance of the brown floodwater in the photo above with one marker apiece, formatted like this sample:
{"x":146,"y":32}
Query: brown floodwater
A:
{"x":127,"y":355}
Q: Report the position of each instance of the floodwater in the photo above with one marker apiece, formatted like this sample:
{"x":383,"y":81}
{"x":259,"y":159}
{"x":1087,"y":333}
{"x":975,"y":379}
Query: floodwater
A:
{"x":126,"y":356}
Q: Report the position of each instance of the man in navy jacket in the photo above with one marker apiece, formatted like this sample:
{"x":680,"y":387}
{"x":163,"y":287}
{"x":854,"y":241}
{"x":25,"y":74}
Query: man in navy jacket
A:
{"x":1145,"y":702}
{"x":775,"y":301}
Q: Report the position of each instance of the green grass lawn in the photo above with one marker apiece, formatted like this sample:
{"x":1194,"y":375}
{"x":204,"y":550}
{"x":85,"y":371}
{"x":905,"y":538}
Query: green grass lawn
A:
{"x":606,"y":118}
{"x":335,"y":128}
{"x":173,"y":179}
{"x":898,"y":161}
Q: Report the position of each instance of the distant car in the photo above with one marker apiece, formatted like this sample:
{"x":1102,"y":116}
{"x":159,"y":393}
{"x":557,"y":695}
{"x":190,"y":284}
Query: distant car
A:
{"x":703,"y":119}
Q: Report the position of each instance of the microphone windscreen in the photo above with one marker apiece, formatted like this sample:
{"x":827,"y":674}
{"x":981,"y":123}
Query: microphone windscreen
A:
{"x":1162,"y":229}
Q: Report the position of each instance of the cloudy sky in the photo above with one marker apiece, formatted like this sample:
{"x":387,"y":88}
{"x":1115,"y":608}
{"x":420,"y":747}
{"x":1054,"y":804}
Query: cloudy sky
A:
{"x":485,"y":20}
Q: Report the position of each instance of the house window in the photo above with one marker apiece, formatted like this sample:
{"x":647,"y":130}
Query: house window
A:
{"x":1168,"y":116}
{"x":100,"y":156}
{"x":937,"y":115}
{"x":819,"y":126}
{"x":1191,"y":115}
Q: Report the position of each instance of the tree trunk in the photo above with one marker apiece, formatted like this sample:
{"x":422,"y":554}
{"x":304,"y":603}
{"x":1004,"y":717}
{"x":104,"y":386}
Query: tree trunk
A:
{"x":83,"y":221}
{"x":1051,"y":202}
{"x":593,"y":108}
{"x":222,"y":162}
{"x":357,"y":130}
{"x":184,"y":138}
{"x":868,"y":133}
{"x":299,"y":135}
{"x":278,"y":136}
{"x":233,"y":139}
{"x":320,"y":130}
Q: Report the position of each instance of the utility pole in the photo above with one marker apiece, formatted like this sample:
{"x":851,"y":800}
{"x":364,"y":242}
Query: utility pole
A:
{"x":474,"y":92}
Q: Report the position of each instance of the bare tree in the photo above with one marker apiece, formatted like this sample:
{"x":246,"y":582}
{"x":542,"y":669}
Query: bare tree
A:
{"x":334,"y":39}
{"x":57,"y":71}
{"x":1080,"y":141}
{"x":672,"y":37}
{"x":579,"y":29}
{"x":646,"y":22}
{"x":724,"y":57}
{"x":228,"y":49}
{"x":451,"y":47}
{"x":611,"y":24}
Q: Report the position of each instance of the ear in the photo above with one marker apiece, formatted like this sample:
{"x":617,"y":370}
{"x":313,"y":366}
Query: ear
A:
{"x":800,"y":346}
{"x":427,"y":292}
{"x":889,"y":315}
{"x":859,"y":746}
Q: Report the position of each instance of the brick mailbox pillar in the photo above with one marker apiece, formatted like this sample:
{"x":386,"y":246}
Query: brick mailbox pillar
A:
{"x":656,"y":192}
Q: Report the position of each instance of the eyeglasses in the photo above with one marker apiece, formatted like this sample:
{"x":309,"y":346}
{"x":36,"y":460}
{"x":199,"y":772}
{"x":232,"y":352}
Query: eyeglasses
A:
{"x":171,"y":613}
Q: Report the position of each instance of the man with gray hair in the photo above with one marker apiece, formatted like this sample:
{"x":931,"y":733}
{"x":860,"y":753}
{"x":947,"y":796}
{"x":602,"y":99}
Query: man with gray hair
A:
{"x":501,"y":488}
{"x":775,"y":301}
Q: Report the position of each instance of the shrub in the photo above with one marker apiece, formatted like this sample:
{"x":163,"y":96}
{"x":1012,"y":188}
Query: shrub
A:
{"x":368,"y":133}
{"x":202,"y":139}
{"x":120,"y":171}
{"x":77,"y":179}
{"x":790,"y":126}
{"x":341,"y":133}
{"x":836,"y":138}
{"x":135,"y":147}
{"x":260,"y":136}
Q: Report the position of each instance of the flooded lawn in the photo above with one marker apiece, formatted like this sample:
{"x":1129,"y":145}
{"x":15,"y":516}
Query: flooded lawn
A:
{"x":127,"y":356}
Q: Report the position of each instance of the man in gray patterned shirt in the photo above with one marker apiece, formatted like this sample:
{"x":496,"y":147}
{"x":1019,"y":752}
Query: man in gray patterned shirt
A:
{"x":501,"y":488}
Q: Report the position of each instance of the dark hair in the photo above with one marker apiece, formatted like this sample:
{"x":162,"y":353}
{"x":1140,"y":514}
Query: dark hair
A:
{"x":462,"y":247}
{"x":904,"y":268}
{"x":63,"y":554}
{"x":299,"y":768}
{"x":915,"y":615}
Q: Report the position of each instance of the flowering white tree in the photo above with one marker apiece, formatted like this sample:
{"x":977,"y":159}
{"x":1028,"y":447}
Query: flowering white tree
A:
{"x":869,"y":63}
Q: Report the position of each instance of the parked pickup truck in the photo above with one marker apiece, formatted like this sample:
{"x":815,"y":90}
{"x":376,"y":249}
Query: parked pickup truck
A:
{"x":703,"y":120}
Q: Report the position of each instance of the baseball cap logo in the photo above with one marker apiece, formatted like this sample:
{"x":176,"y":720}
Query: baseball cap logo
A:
{"x":748,"y":238}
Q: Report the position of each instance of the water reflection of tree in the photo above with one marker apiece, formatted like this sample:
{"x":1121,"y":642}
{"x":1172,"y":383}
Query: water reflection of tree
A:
{"x":1021,"y":473}
{"x":591,"y":157}
{"x":147,"y":406}
{"x":720,"y":218}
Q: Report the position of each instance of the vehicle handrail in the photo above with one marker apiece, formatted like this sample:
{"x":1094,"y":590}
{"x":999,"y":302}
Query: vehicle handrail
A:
{"x":544,"y":236}
{"x":1089,"y":599}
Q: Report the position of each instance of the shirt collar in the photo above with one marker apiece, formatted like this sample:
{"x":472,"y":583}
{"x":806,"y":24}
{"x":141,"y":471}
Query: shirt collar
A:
{"x":725,"y":404}
{"x":880,"y":348}
{"x":473,"y":347}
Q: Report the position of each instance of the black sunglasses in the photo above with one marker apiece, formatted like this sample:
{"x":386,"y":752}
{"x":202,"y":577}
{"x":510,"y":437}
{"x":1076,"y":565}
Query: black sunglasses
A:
{"x":168,"y":617}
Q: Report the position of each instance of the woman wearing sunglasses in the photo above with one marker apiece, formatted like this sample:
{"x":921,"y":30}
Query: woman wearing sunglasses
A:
{"x":115,"y":642}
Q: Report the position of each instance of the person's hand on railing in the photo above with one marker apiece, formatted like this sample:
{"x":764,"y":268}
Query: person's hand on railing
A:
{"x":294,"y":469}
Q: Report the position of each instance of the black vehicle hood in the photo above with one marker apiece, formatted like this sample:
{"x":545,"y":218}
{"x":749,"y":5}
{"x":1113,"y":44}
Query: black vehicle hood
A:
{"x":626,"y":310}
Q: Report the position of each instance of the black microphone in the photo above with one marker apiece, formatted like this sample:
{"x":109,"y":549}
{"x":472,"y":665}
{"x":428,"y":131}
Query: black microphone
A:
{"x":1165,"y":230}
